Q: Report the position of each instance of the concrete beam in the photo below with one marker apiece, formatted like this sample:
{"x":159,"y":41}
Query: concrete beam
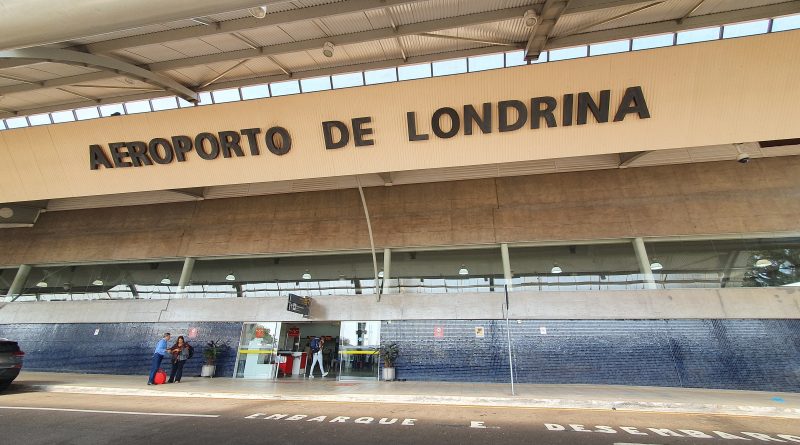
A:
{"x":551,"y":12}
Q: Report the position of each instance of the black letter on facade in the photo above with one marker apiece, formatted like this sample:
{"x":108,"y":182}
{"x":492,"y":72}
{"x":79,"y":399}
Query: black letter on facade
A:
{"x":97,"y":157}
{"x":586,"y":103}
{"x":212,"y":142}
{"x":522,"y":115}
{"x":537,"y":113}
{"x":119,"y":156}
{"x":183,"y":145}
{"x":471,"y":116}
{"x":566,"y":118}
{"x":632,"y":102}
{"x":278,"y":140}
{"x":251,"y":139}
{"x":411,"y":118}
{"x":436,"y":123}
{"x":138,"y":152}
{"x":152,"y":148}
{"x":229,"y":141}
{"x":344,"y":134}
{"x":359,"y":132}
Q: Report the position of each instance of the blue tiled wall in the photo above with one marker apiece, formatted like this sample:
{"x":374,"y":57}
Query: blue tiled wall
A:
{"x":729,"y":354}
{"x":119,"y":348}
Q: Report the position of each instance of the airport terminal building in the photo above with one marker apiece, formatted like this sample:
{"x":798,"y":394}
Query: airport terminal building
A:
{"x":592,"y":191}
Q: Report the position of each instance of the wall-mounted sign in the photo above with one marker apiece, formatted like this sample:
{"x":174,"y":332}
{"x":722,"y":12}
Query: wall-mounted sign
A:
{"x":543,"y":330}
{"x":193,"y":333}
{"x":438,"y":332}
{"x":445,"y":123}
{"x":293,"y":332}
{"x":299,"y":305}
{"x":479,"y":332}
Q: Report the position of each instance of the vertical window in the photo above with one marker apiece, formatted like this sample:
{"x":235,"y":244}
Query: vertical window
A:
{"x":515,"y":58}
{"x":698,"y":35}
{"x":185,"y":103}
{"x":745,"y":29}
{"x":62,"y":116}
{"x":205,"y":98}
{"x":39,"y":119}
{"x":786,"y":23}
{"x":164,"y":103}
{"x":229,"y":95}
{"x":87,"y":113}
{"x":656,"y":41}
{"x":139,"y":106}
{"x":16,"y":122}
{"x":108,"y":110}
{"x":347,"y":80}
{"x":447,"y":67}
{"x":285,"y":88}
{"x":569,"y":53}
{"x":409,"y":72}
{"x":315,"y":84}
{"x":255,"y":92}
{"x":619,"y":46}
{"x":380,"y":76}
{"x":481,"y":63}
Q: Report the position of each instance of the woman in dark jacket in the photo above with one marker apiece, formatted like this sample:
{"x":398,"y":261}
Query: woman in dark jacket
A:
{"x":180,"y":353}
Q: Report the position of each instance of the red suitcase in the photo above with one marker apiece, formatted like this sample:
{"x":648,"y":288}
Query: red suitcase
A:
{"x":160,"y":378}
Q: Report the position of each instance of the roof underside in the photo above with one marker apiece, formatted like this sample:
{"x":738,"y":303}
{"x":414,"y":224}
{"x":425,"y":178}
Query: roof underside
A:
{"x":235,"y":49}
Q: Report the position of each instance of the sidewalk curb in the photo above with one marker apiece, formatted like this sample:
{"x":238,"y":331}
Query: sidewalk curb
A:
{"x":507,"y":402}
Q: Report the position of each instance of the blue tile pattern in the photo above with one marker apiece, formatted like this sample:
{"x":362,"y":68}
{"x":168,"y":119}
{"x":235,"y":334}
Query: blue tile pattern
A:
{"x":119,"y":348}
{"x":725,"y":354}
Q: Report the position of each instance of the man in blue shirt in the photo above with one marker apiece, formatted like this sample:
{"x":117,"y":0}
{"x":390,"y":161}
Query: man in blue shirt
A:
{"x":158,"y":355}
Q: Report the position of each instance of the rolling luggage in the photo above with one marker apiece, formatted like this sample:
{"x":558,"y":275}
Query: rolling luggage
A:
{"x":160,"y":378}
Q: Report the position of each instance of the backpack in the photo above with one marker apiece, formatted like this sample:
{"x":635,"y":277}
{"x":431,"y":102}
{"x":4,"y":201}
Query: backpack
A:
{"x":191,"y":352}
{"x":314,"y":344}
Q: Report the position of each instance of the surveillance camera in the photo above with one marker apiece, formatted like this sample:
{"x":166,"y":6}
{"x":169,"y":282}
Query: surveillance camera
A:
{"x":743,"y":158}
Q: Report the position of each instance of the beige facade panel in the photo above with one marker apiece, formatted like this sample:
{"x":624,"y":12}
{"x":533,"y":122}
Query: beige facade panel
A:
{"x":712,"y":93}
{"x":708,"y":199}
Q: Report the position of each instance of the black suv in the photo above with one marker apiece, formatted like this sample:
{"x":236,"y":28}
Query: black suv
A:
{"x":10,"y":362}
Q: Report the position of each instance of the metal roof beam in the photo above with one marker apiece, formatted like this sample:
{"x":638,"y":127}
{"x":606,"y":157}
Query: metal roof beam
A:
{"x":286,"y":48}
{"x":228,"y":26}
{"x":541,"y":31}
{"x":667,"y":26}
{"x":112,"y":66}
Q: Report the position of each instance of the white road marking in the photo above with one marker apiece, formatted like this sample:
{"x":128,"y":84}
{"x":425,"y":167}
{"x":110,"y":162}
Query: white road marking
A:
{"x":134,"y":413}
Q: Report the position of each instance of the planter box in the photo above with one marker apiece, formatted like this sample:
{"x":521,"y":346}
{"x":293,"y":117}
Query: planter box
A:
{"x":208,"y":370}
{"x":388,"y":374}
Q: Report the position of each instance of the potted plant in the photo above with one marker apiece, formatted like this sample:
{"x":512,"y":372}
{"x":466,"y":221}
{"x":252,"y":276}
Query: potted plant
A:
{"x":389,"y":353}
{"x":212,"y":351}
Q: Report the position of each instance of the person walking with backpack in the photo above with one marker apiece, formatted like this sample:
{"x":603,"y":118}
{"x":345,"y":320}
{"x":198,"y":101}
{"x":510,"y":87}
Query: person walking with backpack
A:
{"x":158,"y":355}
{"x":181,"y":351}
{"x":316,"y":350}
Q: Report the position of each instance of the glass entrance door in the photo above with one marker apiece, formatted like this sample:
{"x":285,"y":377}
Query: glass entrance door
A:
{"x":258,"y":351}
{"x":359,"y":343}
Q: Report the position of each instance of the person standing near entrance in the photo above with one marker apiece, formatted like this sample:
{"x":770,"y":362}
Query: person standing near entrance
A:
{"x":316,"y":351}
{"x":158,"y":355}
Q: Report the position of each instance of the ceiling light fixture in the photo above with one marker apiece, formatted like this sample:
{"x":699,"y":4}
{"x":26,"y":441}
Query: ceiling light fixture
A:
{"x":380,"y":274}
{"x":763,"y":262}
{"x":530,"y":17}
{"x":230,"y":277}
{"x":306,"y":275}
{"x":655,"y":265}
{"x":463,"y":270}
{"x":166,"y":281}
{"x":258,"y":12}
{"x":556,"y":269}
{"x":41,"y":284}
{"x":327,"y":49}
{"x":97,"y":282}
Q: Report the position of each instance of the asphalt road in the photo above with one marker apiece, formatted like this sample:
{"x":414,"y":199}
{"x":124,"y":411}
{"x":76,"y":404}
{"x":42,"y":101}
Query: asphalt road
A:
{"x":51,"y":418}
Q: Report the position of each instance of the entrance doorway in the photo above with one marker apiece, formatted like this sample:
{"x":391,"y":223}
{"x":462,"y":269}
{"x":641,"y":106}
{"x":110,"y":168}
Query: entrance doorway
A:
{"x":281,"y":350}
{"x":294,"y":349}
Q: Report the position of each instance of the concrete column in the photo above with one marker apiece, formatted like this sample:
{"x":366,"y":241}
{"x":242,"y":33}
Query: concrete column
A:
{"x":644,"y":263}
{"x":387,"y":270}
{"x":19,"y":281}
{"x":506,"y":265}
{"x":186,"y":274}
